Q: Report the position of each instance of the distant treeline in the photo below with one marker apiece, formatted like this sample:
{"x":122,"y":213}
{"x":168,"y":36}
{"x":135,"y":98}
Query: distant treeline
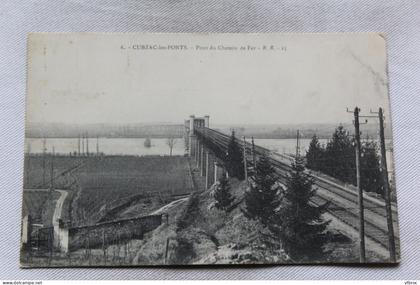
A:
{"x":306,"y":131}
{"x":165,"y":130}
{"x":105,"y":130}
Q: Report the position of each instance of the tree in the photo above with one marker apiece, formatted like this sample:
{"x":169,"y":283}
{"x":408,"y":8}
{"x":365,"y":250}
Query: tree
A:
{"x":234,"y":159}
{"x":371,"y":176}
{"x":171,"y":141}
{"x":340,"y":159}
{"x":262,"y":199}
{"x":222,"y":194}
{"x":315,"y":154}
{"x":300,"y":226}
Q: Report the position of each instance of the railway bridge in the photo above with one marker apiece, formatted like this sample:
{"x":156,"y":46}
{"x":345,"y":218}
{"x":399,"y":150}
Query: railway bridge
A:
{"x":203,"y":142}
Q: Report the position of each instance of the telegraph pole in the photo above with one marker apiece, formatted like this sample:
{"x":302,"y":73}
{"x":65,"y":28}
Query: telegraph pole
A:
{"x":87,"y":144}
{"x":359,"y":188}
{"x":50,"y":198}
{"x":207,"y":169}
{"x":78,"y":146}
{"x":27,"y":162}
{"x":202,"y":159}
{"x":297,"y":144}
{"x":97,"y":145}
{"x":83,"y":145}
{"x":52,"y":170}
{"x":387,"y":194}
{"x":245,"y":164}
{"x":44,"y":150}
{"x":254,"y":162}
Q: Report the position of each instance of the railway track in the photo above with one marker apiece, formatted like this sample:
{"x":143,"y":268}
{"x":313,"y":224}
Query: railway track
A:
{"x":347,"y":211}
{"x":343,"y":201}
{"x":348,"y":195}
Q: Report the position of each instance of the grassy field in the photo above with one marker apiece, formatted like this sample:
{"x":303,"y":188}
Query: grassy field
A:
{"x":107,"y":182}
{"x":36,"y":167}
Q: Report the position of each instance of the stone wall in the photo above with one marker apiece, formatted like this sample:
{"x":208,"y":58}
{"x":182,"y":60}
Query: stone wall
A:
{"x":104,"y":234}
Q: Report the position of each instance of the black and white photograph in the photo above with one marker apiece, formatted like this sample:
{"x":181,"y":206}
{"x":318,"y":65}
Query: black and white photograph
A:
{"x":202,"y":149}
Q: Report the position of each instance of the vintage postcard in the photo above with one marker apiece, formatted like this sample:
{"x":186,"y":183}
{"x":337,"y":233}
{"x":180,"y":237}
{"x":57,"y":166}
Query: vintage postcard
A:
{"x":191,"y":149}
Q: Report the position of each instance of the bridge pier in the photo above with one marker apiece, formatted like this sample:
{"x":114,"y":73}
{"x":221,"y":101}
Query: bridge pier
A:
{"x":205,"y":161}
{"x":198,"y":153}
{"x":202,"y":160}
{"x":207,"y":170}
{"x":211,"y":169}
{"x":216,"y":169}
{"x":191,"y":135}
{"x":190,"y":147}
{"x":196,"y":150}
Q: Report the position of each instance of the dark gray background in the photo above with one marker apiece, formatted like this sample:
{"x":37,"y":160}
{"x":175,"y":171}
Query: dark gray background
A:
{"x":398,"y":20}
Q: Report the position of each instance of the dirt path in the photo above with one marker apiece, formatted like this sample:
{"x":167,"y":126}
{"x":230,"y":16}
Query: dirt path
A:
{"x":59,"y":206}
{"x":57,"y":216}
{"x":169,"y":206}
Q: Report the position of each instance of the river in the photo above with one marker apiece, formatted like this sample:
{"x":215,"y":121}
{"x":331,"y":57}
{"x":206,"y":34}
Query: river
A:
{"x":135,"y":146}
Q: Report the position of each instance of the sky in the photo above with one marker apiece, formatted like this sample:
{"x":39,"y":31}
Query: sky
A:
{"x":123,"y":78}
